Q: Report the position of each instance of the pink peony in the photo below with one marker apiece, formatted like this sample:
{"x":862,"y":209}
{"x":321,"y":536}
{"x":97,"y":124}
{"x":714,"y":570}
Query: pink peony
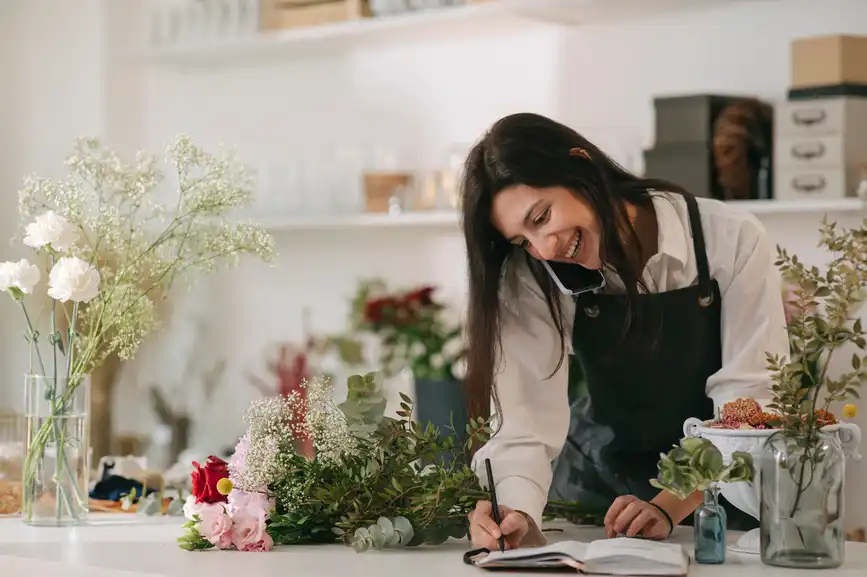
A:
{"x":216,"y":525}
{"x":249,"y":532}
{"x":255,"y":503}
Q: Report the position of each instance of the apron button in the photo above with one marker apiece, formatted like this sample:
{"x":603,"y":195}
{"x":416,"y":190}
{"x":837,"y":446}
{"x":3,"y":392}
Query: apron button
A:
{"x":592,"y":311}
{"x":705,"y":301}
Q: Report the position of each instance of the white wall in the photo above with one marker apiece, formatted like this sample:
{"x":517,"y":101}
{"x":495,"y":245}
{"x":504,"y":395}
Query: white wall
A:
{"x":417,"y":99}
{"x":52,"y":80}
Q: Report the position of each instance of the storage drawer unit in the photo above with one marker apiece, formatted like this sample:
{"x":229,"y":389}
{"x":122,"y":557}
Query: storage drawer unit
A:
{"x":820,"y":146}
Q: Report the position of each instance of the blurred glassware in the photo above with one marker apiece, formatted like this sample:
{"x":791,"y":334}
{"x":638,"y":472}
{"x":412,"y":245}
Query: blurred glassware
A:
{"x":11,"y":462}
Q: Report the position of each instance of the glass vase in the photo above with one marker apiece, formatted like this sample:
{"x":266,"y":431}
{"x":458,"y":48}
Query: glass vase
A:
{"x":710,"y":529}
{"x":56,"y":462}
{"x":802,"y":480}
{"x":11,"y":462}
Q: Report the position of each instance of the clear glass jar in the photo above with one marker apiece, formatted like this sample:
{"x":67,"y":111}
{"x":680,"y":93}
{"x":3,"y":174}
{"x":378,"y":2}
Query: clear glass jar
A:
{"x":710,"y":529}
{"x":56,"y":462}
{"x":11,"y":462}
{"x":802,"y":501}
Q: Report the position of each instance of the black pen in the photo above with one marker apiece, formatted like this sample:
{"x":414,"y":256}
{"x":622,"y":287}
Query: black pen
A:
{"x":495,"y":508}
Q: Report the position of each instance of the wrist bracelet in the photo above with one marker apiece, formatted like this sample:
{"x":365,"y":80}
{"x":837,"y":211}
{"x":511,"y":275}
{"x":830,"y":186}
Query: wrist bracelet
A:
{"x":667,"y":517}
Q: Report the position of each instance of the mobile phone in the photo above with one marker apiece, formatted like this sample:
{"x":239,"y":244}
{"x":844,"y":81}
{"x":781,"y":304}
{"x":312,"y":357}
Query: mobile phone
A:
{"x":574,"y":279}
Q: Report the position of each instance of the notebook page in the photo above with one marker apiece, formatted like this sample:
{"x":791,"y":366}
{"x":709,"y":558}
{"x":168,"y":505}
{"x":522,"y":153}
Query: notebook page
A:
{"x":637,"y":553}
{"x":573,"y":549}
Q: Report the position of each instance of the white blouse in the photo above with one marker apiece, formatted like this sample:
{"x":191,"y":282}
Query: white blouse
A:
{"x":535,"y":410}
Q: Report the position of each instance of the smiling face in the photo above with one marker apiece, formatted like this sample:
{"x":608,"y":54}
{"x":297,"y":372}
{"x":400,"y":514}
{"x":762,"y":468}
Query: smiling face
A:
{"x":550,"y":223}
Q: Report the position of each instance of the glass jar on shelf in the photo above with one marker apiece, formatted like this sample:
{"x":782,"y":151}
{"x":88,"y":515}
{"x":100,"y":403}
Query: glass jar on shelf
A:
{"x":11,"y":462}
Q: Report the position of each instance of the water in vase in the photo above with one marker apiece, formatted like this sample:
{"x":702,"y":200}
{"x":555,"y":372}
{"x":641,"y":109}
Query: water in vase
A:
{"x":802,"y":502}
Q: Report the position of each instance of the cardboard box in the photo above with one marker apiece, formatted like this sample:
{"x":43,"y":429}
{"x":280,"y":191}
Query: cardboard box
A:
{"x":379,"y":187}
{"x":828,"y":61}
{"x":284,"y":14}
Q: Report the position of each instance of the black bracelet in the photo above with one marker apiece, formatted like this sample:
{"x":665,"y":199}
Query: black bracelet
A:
{"x":667,"y":516}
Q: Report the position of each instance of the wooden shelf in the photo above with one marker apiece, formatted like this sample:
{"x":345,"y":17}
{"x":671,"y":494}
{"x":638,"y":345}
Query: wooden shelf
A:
{"x":455,"y":22}
{"x":806,"y":206}
{"x":450,"y":220}
{"x":413,"y":220}
{"x":590,"y":12}
{"x":450,"y":22}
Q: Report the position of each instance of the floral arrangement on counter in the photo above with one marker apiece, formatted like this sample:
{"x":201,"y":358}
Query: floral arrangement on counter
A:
{"x":372,"y":482}
{"x":412,"y":331}
{"x":109,"y":250}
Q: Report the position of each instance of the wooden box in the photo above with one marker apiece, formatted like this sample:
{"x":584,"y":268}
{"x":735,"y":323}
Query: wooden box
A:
{"x":828,"y":61}
{"x":284,"y":14}
{"x":380,"y":187}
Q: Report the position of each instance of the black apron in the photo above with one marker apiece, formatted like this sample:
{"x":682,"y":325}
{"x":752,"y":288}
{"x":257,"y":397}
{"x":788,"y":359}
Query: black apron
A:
{"x":637,"y":393}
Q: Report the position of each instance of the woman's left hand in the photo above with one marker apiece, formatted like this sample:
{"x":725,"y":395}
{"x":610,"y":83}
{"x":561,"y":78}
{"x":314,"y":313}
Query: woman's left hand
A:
{"x":631,"y":516}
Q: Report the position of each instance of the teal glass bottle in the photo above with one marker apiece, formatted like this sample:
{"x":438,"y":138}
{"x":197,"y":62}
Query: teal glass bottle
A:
{"x":710,"y":529}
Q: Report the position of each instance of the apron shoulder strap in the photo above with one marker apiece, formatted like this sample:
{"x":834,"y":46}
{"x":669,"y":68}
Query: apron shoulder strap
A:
{"x":705,"y":283}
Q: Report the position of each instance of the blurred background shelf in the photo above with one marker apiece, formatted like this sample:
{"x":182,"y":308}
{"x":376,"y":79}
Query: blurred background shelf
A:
{"x":451,"y":219}
{"x":366,"y":33}
{"x":415,"y":220}
{"x":805,"y":206}
{"x":466,"y":21}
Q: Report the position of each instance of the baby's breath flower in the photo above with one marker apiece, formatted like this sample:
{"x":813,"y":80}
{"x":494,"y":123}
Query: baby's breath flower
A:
{"x":136,"y":234}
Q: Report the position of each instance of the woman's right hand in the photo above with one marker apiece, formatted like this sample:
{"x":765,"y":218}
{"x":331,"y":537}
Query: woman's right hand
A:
{"x":516,"y":527}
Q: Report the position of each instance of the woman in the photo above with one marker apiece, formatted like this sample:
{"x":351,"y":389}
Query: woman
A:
{"x":689,"y":306}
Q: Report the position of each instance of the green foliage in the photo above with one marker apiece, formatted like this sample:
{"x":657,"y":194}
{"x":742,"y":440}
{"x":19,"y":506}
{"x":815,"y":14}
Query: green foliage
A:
{"x":696,"y":464}
{"x":192,"y":540}
{"x":825,"y":322}
{"x":395,"y":490}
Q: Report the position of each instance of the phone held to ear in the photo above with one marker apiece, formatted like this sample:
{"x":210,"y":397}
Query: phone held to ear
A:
{"x":574,"y":279}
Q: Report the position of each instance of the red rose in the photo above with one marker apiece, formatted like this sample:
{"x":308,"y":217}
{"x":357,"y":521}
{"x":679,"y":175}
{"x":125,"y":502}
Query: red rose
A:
{"x":205,"y":480}
{"x":422,"y":296}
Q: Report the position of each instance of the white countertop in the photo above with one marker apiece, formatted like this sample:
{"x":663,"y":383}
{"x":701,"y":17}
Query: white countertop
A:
{"x":121,"y":545}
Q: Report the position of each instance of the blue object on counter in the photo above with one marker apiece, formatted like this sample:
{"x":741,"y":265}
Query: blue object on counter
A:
{"x":115,"y":488}
{"x":710,"y":530}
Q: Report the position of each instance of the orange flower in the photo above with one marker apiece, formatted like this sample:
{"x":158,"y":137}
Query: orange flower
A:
{"x":850,"y":411}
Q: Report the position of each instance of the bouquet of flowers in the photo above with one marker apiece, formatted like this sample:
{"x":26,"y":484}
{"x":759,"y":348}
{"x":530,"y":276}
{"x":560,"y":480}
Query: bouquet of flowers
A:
{"x":109,"y":251}
{"x":412,"y":331}
{"x":372,"y":481}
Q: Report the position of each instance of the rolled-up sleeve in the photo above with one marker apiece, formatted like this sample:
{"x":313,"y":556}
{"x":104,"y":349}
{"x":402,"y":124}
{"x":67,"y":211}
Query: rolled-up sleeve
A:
{"x":753,"y":319}
{"x":534,"y":417}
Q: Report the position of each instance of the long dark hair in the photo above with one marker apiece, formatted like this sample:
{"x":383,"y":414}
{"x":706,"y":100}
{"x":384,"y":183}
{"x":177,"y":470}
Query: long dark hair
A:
{"x":532,"y":150}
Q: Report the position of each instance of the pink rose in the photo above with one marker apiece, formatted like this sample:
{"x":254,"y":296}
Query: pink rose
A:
{"x":254,"y":503}
{"x":216,"y":525}
{"x":249,"y":532}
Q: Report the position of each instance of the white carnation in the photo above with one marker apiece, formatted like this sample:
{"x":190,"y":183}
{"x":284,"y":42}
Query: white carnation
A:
{"x":72,"y":279}
{"x":192,"y":508}
{"x":416,"y":350}
{"x":19,"y":275}
{"x":51,"y":228}
{"x":437,"y":361}
{"x":459,"y":368}
{"x":453,"y":348}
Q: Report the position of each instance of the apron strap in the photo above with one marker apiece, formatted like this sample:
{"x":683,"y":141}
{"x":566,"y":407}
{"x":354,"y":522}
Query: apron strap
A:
{"x":705,"y":283}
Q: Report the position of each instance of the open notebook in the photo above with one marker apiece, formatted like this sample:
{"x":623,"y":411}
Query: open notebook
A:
{"x":620,"y":556}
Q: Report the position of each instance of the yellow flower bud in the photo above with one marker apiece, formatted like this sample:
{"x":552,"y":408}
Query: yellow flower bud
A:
{"x":224,"y":486}
{"x":850,"y":411}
